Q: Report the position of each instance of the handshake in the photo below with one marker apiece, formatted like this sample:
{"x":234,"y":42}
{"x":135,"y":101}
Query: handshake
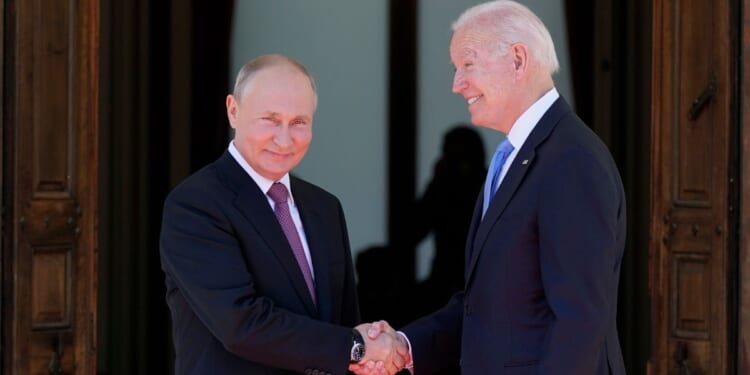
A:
{"x":386,"y":351}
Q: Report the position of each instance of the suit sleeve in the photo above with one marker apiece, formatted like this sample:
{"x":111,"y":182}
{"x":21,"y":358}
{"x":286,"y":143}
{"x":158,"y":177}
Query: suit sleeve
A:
{"x":203,"y":258}
{"x":579,"y":228}
{"x":350,"y":311}
{"x":436,"y":339}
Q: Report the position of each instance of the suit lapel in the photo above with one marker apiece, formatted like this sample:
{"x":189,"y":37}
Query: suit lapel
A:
{"x":522,"y":163}
{"x":476,"y":219}
{"x":253,"y":204}
{"x":516,"y":173}
{"x":314,"y":224}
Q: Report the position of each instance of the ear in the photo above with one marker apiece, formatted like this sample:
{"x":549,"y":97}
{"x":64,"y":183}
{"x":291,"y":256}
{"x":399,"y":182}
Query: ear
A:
{"x":232,"y":108}
{"x":520,"y":56}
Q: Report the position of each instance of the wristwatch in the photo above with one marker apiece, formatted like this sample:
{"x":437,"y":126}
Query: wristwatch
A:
{"x":358,"y":347}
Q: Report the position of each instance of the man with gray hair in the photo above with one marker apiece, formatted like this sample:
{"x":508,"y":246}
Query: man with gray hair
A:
{"x":548,"y":233}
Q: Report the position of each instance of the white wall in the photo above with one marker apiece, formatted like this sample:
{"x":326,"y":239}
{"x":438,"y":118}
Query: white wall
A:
{"x":440,"y":109}
{"x":343,"y":44}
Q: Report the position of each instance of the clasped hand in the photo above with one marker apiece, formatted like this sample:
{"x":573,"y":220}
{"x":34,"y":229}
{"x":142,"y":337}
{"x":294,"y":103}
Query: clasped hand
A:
{"x":386,"y":351}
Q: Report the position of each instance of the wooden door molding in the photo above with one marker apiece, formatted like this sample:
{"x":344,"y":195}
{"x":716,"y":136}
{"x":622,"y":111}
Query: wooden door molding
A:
{"x":3,"y":203}
{"x":743,"y":339}
{"x":50,"y":253}
{"x":689,"y":253}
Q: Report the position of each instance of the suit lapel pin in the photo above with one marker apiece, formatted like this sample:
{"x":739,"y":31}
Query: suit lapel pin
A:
{"x":525,"y":161}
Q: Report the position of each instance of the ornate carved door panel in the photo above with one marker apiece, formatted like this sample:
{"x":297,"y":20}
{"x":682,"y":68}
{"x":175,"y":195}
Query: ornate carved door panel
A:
{"x":690,"y":252}
{"x":50,"y":166}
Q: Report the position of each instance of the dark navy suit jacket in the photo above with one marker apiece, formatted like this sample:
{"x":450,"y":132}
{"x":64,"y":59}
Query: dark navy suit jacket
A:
{"x":238,"y":300}
{"x":542,"y":267}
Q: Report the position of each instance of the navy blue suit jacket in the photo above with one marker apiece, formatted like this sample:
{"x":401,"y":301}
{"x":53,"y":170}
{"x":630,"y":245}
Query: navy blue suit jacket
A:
{"x":238,"y":299}
{"x":542,"y":267}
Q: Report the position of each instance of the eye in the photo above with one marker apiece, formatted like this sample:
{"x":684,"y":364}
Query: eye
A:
{"x":299,"y":122}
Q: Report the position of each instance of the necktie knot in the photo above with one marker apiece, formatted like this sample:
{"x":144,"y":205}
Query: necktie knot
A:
{"x":278,"y":193}
{"x":505,"y":147}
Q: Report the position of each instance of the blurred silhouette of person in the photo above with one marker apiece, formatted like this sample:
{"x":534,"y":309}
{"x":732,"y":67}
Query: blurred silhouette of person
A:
{"x":373,"y":289}
{"x":445,"y":210}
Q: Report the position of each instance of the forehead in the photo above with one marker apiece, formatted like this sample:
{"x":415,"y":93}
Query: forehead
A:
{"x":279,"y":80}
{"x":275,"y":76}
{"x":469,"y":42}
{"x":281,"y":91}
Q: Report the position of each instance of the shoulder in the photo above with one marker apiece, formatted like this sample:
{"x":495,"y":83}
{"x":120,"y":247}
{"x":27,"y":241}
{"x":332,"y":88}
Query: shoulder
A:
{"x":200,"y":186}
{"x":572,"y":138}
{"x":303,"y":189}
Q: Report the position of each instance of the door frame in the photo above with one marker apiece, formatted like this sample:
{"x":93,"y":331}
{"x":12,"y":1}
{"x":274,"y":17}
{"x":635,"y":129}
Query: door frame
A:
{"x":743,"y":315}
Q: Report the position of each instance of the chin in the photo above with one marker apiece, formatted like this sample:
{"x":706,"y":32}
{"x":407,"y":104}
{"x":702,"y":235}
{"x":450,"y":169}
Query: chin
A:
{"x":478,"y":121}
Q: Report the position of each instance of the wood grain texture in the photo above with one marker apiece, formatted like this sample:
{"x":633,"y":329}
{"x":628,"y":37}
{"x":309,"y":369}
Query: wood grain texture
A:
{"x":52,"y":96}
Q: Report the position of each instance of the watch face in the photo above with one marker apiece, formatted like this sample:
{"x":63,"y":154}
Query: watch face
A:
{"x":358,"y":352}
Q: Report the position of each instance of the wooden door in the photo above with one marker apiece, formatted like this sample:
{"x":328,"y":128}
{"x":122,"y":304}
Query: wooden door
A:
{"x":50,"y":146}
{"x":691,"y":183}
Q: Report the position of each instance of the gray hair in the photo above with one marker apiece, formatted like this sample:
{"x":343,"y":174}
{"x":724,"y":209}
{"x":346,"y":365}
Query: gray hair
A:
{"x":510,"y":22}
{"x":261,"y":62}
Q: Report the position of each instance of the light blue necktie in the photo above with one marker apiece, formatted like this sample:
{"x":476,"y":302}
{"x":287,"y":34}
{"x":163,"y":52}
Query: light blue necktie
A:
{"x":493,"y":174}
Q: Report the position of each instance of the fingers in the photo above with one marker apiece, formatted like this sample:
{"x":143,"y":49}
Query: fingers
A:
{"x":369,"y":368}
{"x":365,"y":329}
{"x":397,"y":360}
{"x":377,"y":327}
{"x":402,"y":348}
{"x":391,"y":368}
{"x":384,"y":350}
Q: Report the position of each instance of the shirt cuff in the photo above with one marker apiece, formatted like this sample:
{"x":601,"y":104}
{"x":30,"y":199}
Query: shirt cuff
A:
{"x":409,"y":365}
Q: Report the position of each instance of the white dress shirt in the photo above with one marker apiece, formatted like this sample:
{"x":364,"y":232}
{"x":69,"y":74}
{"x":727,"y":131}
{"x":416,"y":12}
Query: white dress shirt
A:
{"x":523,"y":127}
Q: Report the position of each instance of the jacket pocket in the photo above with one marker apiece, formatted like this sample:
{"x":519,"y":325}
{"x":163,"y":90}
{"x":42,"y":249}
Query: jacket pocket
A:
{"x":521,"y":367}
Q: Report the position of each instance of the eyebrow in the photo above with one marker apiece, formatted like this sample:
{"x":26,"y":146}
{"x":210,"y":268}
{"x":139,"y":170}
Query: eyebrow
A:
{"x":468,"y":52}
{"x":304,"y":118}
{"x":277,"y":115}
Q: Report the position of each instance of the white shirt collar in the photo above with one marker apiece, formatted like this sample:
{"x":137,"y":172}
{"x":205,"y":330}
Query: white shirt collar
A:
{"x":528,"y":120}
{"x":263,"y":183}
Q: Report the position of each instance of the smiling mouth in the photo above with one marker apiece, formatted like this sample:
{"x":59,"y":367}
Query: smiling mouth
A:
{"x":474,"y":99}
{"x":279,"y":154}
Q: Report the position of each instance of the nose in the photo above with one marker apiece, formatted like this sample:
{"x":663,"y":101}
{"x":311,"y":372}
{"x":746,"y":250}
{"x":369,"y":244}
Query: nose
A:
{"x":459,"y":83}
{"x":283,"y":136}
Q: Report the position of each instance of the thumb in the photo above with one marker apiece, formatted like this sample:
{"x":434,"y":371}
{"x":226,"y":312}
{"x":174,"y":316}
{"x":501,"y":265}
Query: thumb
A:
{"x":376,"y":328}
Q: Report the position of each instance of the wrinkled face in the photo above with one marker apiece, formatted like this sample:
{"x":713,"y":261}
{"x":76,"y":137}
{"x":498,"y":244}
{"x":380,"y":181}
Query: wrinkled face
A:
{"x":484,"y":78}
{"x":273,"y":120}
